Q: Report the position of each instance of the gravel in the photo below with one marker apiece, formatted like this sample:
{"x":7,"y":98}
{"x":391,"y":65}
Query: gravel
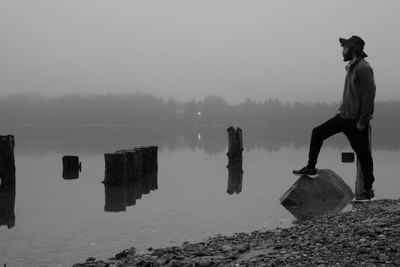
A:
{"x":367,"y":235}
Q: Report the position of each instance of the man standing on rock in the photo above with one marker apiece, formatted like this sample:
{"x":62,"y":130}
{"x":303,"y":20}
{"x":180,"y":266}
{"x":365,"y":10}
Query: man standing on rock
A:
{"x":353,"y":117}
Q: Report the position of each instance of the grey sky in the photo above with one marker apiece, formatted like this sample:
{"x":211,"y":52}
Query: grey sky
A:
{"x":237,"y":49}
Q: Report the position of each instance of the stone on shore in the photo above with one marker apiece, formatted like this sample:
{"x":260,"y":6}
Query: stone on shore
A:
{"x":326,"y":186}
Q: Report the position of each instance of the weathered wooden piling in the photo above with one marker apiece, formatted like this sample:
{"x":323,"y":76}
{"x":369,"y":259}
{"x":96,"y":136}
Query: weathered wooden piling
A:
{"x":359,"y":188}
{"x":115,"y":169}
{"x":71,"y":167}
{"x":235,"y":141}
{"x":127,"y":165}
{"x":235,"y":177}
{"x":147,"y":159}
{"x":139,"y":162}
{"x":131,"y":166}
{"x":153,"y":158}
{"x":7,"y":161}
{"x":131,"y":190}
{"x":153,"y":180}
{"x":7,"y":205}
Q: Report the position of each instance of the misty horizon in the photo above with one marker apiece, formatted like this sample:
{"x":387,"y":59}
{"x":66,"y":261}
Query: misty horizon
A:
{"x":188,"y":50}
{"x":107,"y":122}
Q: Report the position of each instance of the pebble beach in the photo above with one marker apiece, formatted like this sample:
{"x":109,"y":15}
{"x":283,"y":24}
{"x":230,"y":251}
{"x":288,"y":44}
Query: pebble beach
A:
{"x":366,"y":235}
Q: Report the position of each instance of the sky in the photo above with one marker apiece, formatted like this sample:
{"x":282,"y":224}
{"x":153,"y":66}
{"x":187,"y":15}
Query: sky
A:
{"x":188,"y":49}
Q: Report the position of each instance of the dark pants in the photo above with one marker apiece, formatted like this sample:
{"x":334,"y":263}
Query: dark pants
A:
{"x":359,"y":141}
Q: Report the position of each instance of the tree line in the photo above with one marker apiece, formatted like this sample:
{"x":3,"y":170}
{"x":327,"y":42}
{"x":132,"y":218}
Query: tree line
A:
{"x":145,"y":109}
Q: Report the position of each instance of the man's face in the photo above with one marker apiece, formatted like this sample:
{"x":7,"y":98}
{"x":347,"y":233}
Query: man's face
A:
{"x":347,"y":53}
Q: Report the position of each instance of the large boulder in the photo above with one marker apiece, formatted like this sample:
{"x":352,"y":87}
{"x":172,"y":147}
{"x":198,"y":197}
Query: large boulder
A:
{"x":327,"y":192}
{"x":318,"y":208}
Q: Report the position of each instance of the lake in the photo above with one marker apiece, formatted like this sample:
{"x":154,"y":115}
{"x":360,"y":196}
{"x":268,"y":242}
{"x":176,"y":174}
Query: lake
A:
{"x":59,"y":222}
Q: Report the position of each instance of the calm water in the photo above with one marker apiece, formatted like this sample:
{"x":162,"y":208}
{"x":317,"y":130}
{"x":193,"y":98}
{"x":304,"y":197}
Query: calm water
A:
{"x":59,"y":222}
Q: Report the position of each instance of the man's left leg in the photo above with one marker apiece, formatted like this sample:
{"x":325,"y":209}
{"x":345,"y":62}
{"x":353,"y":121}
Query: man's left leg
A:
{"x":360,"y":143}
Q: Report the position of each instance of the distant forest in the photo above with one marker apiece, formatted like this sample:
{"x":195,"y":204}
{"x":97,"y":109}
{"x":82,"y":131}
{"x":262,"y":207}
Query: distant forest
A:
{"x":145,"y":110}
{"x":39,"y":121}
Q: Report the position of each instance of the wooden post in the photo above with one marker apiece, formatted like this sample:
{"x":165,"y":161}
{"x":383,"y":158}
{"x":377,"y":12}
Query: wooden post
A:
{"x":360,"y":176}
{"x":7,"y":205}
{"x":139,"y":162}
{"x":146,"y":159}
{"x":153,"y":181}
{"x":235,"y":177}
{"x":131,"y":194}
{"x":153,"y":158}
{"x":71,"y":167}
{"x":130,"y":163}
{"x":235,"y":140}
{"x":115,"y":170}
{"x":7,"y":161}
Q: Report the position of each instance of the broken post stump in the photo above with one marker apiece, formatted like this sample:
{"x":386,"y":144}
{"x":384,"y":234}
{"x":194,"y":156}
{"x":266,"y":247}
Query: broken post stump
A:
{"x":115,"y":169}
{"x":153,"y":180}
{"x":131,"y":194}
{"x":7,"y":160}
{"x":71,"y":167}
{"x":132,"y":169}
{"x":138,"y":162}
{"x":146,"y":159}
{"x":325,"y":187}
{"x":7,"y":205}
{"x":153,"y":158}
{"x":359,"y":188}
{"x":128,"y":165}
{"x":235,"y":177}
{"x":235,"y":142}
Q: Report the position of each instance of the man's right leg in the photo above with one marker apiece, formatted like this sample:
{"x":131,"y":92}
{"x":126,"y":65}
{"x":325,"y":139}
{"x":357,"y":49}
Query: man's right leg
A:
{"x":319,"y":134}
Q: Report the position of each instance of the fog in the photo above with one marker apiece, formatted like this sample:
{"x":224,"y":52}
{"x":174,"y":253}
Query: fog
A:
{"x":286,"y":50}
{"x":97,"y":124}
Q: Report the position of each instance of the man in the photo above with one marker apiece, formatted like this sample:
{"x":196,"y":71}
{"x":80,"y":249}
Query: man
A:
{"x":353,"y":117}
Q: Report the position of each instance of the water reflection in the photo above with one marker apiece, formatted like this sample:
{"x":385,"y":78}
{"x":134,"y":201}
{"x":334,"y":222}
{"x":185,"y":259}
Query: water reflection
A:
{"x":118,"y":198}
{"x":72,"y":139}
{"x":235,"y":177}
{"x":7,"y":205}
{"x":317,"y":208}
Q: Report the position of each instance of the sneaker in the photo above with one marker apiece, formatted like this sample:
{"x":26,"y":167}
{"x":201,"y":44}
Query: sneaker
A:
{"x":365,"y":196}
{"x":305,"y":171}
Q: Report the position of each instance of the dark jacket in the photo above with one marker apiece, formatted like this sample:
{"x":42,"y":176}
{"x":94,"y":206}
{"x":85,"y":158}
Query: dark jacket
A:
{"x":359,"y":92}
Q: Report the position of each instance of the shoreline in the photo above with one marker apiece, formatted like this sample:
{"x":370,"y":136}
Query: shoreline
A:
{"x":367,"y":235}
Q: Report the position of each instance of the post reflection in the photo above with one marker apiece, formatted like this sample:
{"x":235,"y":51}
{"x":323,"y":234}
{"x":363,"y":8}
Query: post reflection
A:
{"x":235,"y":177}
{"x":7,"y":205}
{"x":119,"y":197}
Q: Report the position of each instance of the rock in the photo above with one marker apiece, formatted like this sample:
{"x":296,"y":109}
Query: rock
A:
{"x":176,"y":263}
{"x":226,"y":248}
{"x":309,"y":197}
{"x":125,"y":253}
{"x":243,"y":247}
{"x":204,"y":263}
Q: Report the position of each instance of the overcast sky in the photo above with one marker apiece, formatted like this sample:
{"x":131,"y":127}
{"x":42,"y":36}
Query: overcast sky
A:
{"x":186,"y":49}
